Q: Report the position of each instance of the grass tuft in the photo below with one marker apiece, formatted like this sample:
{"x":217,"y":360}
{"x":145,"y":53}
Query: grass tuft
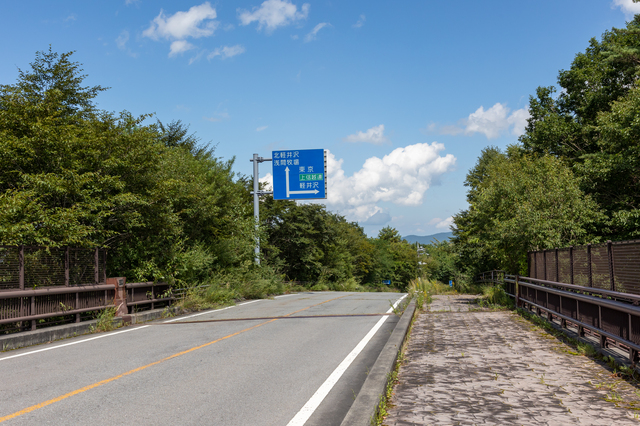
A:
{"x":105,"y":320}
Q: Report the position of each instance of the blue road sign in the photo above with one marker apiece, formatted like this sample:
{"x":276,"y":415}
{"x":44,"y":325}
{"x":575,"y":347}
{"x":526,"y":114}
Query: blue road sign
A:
{"x":299,"y":174}
{"x":387,"y":282}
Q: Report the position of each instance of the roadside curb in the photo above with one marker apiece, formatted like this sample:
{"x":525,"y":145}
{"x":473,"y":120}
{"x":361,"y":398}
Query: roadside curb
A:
{"x":365,"y":406}
{"x":59,"y":332}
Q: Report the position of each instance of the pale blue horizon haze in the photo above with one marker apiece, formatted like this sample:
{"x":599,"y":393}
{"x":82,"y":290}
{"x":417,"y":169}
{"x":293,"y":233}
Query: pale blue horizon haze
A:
{"x":404,"y":95}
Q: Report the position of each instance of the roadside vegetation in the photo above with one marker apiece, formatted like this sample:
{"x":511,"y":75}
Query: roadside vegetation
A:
{"x":168,"y":209}
{"x":163,"y":204}
{"x":572,"y":178}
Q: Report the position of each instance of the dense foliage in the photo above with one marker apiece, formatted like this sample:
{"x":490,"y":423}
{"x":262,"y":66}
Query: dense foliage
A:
{"x":575,"y":175}
{"x":158,"y":199}
{"x":308,"y":243}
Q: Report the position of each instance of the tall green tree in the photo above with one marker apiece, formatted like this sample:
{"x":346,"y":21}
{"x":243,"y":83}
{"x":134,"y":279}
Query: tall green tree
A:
{"x":75,"y":175}
{"x":588,"y":123}
{"x":523,"y":202}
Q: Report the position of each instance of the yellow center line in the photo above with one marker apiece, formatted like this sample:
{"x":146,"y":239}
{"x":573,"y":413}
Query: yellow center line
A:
{"x":135,"y":370}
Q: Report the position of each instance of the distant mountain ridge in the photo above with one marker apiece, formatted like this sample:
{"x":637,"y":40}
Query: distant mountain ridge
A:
{"x":428,"y":239}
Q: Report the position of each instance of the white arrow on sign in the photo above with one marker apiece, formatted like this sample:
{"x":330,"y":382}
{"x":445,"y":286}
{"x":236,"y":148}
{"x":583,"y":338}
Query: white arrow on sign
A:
{"x":315,"y":191}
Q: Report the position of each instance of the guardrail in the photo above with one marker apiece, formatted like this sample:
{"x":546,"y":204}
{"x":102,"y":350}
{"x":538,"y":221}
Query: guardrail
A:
{"x":19,"y":306}
{"x":22,"y":310}
{"x":608,"y":266}
{"x":149,"y":295}
{"x":495,"y":276}
{"x":613,"y":316}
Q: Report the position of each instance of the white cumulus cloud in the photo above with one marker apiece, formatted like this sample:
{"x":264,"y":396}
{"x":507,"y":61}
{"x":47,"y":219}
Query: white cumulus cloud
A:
{"x":122,"y":40}
{"x":400,"y":177}
{"x":268,"y":180}
{"x":444,"y":224}
{"x":180,"y":46}
{"x":197,"y":22}
{"x":314,"y":33}
{"x":360,"y":22}
{"x":628,"y":7}
{"x":227,"y":51}
{"x":261,"y":128}
{"x":273,"y":14}
{"x":374,"y":135}
{"x":378,"y":218}
{"x":492,"y":122}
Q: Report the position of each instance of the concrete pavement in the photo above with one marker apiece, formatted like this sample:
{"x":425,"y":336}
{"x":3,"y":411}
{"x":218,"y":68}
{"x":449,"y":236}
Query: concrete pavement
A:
{"x":467,"y":367}
{"x":198,"y":370}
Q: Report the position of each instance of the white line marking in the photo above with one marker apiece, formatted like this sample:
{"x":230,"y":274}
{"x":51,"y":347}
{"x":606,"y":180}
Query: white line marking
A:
{"x":284,"y":295}
{"x":317,"y":398}
{"x":118,"y":332}
{"x":74,"y":343}
{"x":246,"y":303}
{"x":198,"y":314}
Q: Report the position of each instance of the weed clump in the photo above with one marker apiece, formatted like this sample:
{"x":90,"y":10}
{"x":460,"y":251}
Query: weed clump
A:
{"x":495,"y":295}
{"x":105,"y":320}
{"x":422,"y":290}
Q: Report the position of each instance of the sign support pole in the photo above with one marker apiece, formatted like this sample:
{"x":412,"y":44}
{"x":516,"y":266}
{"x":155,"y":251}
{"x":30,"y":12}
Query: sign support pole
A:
{"x":256,"y":201}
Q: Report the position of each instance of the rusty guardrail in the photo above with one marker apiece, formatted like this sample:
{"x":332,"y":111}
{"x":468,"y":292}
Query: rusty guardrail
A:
{"x":148,"y":295}
{"x":495,"y":276}
{"x":613,"y":316}
{"x":609,"y":266}
{"x":18,"y":306}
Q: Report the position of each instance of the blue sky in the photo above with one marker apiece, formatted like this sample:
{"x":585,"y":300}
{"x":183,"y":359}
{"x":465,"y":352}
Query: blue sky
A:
{"x":404,"y":95}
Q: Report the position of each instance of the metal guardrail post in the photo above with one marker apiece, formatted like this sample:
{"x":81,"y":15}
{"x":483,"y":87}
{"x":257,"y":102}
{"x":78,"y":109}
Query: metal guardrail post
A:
{"x":33,"y":312}
{"x":517,"y":291}
{"x":589,"y":263}
{"x":21,"y":267}
{"x":611,"y":277}
{"x":603,"y":338}
{"x":544,"y":263}
{"x":580,"y":328}
{"x":78,"y":306}
{"x":557,"y":267}
{"x":570,"y":263}
{"x":66,"y":268}
{"x":96,"y":267}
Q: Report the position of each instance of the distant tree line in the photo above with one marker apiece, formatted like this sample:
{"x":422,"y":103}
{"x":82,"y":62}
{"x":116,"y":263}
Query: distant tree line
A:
{"x":160,"y":200}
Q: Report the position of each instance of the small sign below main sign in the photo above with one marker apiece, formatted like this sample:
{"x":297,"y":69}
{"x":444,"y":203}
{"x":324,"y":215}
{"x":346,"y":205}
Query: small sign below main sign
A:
{"x":299,"y":174}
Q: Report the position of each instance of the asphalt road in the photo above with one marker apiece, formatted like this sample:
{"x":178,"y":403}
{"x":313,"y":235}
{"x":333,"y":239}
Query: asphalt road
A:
{"x":277,"y":362}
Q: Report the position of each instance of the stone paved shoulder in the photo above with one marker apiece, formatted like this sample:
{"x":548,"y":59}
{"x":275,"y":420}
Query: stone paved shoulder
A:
{"x":466,"y":367}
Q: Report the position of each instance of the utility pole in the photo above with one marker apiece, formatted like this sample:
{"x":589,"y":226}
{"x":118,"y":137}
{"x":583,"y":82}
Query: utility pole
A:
{"x":256,"y":200}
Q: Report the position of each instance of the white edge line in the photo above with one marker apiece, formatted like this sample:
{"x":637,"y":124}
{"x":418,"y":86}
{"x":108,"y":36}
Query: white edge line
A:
{"x":285,"y":295}
{"x":209,"y":312}
{"x":198,"y":314}
{"x":317,"y":398}
{"x":74,"y":343}
{"x":113,"y":334}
